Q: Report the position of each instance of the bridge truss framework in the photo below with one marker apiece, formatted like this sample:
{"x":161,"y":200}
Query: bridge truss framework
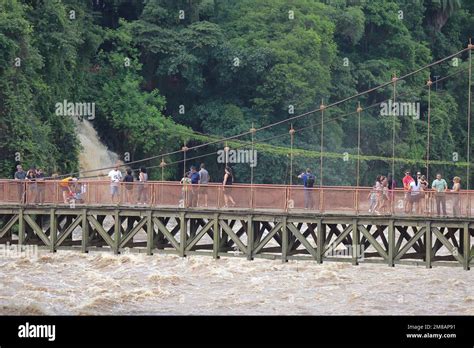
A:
{"x":252,"y":234}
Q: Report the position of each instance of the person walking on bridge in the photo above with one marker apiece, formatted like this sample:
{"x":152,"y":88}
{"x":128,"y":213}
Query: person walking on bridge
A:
{"x":378,"y":195}
{"x":228,"y":181}
{"x":308,"y":183}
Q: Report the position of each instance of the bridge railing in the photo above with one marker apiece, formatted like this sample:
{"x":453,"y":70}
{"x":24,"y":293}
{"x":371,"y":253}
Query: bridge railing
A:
{"x":328,"y":199}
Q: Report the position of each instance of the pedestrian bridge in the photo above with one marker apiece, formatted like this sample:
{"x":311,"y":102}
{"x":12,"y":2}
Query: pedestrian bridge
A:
{"x":267,"y":221}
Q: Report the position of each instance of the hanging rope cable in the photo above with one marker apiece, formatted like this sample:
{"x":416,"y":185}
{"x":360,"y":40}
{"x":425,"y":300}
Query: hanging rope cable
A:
{"x":252,"y":131}
{"x":394,"y":81}
{"x":321,"y":196}
{"x":285,"y":120}
{"x":265,"y":141}
{"x":321,"y":107}
{"x":243,"y":144}
{"x":470,"y":47}
{"x":359,"y":110}
{"x":162,"y":166}
{"x":292,"y":135}
{"x":428,"y":83}
{"x":274,"y":137}
{"x":226,"y":152}
{"x":185,"y":150}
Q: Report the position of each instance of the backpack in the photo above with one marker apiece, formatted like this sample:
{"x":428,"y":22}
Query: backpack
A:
{"x":310,"y":180}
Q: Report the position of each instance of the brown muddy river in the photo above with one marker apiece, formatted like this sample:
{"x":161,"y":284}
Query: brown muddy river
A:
{"x":97,"y":283}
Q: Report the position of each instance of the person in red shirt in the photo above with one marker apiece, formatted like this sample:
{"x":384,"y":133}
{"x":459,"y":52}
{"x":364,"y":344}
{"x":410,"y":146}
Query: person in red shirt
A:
{"x":407,"y":179}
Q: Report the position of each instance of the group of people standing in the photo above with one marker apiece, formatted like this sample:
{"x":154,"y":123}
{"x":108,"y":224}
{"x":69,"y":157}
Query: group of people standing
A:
{"x":36,"y":188}
{"x":198,"y":191}
{"x":116,"y":177}
{"x":417,"y":194}
{"x":381,"y":194}
{"x":135,"y":188}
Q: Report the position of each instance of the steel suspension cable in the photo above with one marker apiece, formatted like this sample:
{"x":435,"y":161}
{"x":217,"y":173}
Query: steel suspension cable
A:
{"x":288,"y":119}
{"x":394,"y":80}
{"x":243,"y":144}
{"x":470,"y":46}
{"x":428,"y":83}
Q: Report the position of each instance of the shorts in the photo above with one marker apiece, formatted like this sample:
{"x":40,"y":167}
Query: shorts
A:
{"x":114,"y":190}
{"x":415,"y":198}
{"x":203,"y":190}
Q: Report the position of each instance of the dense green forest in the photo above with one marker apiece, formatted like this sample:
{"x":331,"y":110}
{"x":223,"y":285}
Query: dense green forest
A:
{"x":167,"y":72}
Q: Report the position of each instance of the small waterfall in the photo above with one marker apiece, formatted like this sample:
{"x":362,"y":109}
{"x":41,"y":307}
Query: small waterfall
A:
{"x":94,"y":154}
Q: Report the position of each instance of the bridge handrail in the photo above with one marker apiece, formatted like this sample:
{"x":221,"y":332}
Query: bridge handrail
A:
{"x":327,"y":199}
{"x":178,"y":183}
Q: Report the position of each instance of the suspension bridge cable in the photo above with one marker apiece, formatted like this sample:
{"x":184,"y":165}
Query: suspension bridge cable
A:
{"x":287,"y":119}
{"x":244,"y":144}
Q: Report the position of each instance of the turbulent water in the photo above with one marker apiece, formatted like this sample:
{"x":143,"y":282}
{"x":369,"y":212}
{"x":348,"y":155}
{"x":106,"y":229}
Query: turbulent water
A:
{"x":69,"y":282}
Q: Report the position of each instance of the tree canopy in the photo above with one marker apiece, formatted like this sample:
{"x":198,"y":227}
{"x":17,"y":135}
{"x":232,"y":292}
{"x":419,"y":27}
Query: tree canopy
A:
{"x":163,"y":73}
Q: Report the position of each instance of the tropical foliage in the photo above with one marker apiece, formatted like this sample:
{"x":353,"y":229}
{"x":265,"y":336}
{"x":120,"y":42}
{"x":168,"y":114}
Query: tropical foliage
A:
{"x":167,"y":72}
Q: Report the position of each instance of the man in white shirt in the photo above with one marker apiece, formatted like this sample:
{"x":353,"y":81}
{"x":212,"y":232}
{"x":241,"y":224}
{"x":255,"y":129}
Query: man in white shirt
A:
{"x":115,"y":176}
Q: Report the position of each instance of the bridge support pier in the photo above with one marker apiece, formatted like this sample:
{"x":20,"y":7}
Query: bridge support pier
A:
{"x":21,"y":229}
{"x":466,"y":238}
{"x":182,"y":234}
{"x":320,"y":241}
{"x":391,"y":244}
{"x":216,"y":239}
{"x":428,"y":247}
{"x":117,"y":232}
{"x":85,"y":232}
{"x":284,"y":236}
{"x":53,"y":230}
{"x":356,"y":247}
{"x":250,"y":237}
{"x":284,"y":241}
{"x":150,"y":233}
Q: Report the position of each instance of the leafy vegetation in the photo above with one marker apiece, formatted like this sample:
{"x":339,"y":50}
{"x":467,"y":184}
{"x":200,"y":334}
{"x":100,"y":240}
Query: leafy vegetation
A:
{"x":167,"y":72}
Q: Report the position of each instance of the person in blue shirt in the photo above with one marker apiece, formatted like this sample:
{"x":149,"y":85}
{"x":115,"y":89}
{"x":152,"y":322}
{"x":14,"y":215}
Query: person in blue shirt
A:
{"x":308,"y":182}
{"x":195,"y":177}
